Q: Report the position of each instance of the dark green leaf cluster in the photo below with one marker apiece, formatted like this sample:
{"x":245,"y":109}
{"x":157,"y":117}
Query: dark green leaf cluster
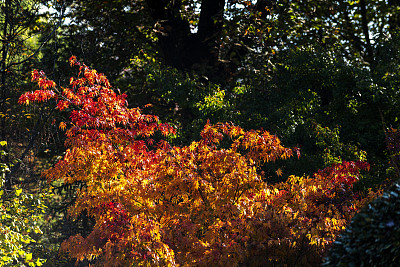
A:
{"x":373,"y":237}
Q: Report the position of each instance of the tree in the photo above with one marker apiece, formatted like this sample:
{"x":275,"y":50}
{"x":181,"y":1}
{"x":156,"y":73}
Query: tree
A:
{"x":157,"y":204}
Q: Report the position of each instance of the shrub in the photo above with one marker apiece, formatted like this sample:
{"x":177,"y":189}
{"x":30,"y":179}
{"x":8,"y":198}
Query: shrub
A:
{"x":21,"y":214}
{"x":373,"y":237}
{"x":203,"y":204}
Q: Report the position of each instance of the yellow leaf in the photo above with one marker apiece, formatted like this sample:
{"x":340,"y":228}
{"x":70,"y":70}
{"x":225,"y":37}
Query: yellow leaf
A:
{"x":18,"y":192}
{"x":28,"y":256}
{"x":38,"y":231}
{"x":279,"y":172}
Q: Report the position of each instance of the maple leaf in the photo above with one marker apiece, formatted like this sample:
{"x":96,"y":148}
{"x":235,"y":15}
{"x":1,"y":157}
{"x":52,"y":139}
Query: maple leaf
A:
{"x":62,"y":125}
{"x":279,"y":172}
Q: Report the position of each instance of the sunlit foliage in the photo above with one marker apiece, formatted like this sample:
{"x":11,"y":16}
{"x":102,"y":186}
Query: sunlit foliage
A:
{"x":203,"y":204}
{"x":20,"y":217}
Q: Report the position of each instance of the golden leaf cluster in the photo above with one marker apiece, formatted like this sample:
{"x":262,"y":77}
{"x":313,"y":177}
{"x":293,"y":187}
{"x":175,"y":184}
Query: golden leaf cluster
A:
{"x":204,"y":204}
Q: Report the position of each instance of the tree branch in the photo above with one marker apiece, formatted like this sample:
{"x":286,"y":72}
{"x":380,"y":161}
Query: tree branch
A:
{"x":43,"y":43}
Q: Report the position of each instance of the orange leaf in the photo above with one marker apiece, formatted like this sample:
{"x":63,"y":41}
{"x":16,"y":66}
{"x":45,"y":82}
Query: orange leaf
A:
{"x":62,"y":125}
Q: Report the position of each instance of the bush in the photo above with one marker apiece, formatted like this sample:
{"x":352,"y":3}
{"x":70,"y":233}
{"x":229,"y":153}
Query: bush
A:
{"x":373,"y":237}
{"x":204,"y":204}
{"x":20,"y":217}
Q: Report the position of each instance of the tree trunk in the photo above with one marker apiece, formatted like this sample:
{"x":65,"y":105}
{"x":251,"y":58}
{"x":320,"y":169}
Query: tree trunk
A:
{"x":4,"y":56}
{"x":184,"y":49}
{"x":3,"y":85}
{"x":369,"y":52}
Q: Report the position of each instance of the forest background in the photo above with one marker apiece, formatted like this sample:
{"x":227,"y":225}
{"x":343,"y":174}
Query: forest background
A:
{"x":323,"y":76}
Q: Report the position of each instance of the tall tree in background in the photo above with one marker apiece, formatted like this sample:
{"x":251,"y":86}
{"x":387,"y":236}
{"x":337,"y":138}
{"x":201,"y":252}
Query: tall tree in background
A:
{"x":214,"y":37}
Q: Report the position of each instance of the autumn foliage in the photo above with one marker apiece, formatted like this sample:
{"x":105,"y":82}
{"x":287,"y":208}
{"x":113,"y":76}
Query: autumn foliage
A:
{"x":207,"y":204}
